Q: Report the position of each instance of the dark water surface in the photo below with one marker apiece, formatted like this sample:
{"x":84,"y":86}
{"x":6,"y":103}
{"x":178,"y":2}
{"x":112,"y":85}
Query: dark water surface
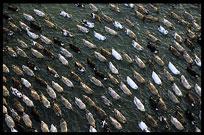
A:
{"x":76,"y":119}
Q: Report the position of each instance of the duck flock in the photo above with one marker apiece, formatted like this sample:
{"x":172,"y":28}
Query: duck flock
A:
{"x":95,"y":68}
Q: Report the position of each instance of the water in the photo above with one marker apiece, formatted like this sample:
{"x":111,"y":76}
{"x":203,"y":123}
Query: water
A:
{"x":76,"y":119}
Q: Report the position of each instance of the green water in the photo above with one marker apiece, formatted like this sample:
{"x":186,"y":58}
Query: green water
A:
{"x":76,"y":119}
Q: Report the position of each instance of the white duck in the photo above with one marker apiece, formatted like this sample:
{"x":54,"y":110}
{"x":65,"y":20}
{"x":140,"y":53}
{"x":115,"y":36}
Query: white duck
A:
{"x":116,"y":54}
{"x":162,"y":30}
{"x":99,"y":36}
{"x":143,"y":126}
{"x":117,"y":25}
{"x":139,"y":104}
{"x":131,"y":83}
{"x":136,"y":45}
{"x":92,"y":129}
{"x":173,"y":69}
{"x":64,"y":14}
{"x":87,"y":23}
{"x":197,"y":61}
{"x":156,"y":78}
{"x":113,"y":69}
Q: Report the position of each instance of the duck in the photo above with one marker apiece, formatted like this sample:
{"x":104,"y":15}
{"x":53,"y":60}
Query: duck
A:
{"x":11,"y":52}
{"x":20,"y":52}
{"x":37,"y":54}
{"x":185,"y":82}
{"x":87,"y":23}
{"x":95,"y":81}
{"x":44,"y":127}
{"x":36,"y":44}
{"x":192,"y":72}
{"x":197,"y":60}
{"x":114,"y":7}
{"x":143,"y":126}
{"x":116,"y":55}
{"x":115,"y":123}
{"x":79,"y":103}
{"x":110,"y":31}
{"x":93,"y":7}
{"x":90,"y":118}
{"x":92,"y":129}
{"x":28,"y":17}
{"x":101,"y":75}
{"x":156,"y":78}
{"x":125,"y":89}
{"x":198,"y":89}
{"x":57,"y":41}
{"x":7,"y":16}
{"x":99,"y":56}
{"x":88,"y":100}
{"x":107,"y":18}
{"x":13,"y":8}
{"x":39,"y":13}
{"x":65,"y":14}
{"x":173,"y":69}
{"x":67,"y":33}
{"x":82,"y":29}
{"x":22,"y":43}
{"x":105,"y":126}
{"x":168,"y":24}
{"x":138,"y":77}
{"x":80,"y":66}
{"x":152,"y":88}
{"x":99,"y":36}
{"x":6,"y":69}
{"x":162,"y":30}
{"x":177,"y":37}
{"x":131,"y":83}
{"x":117,"y":25}
{"x":65,"y":52}
{"x":127,"y":58}
{"x":95,"y":16}
{"x":51,"y":92}
{"x":53,"y":128}
{"x":130,"y":33}
{"x":75,"y":48}
{"x":41,"y":81}
{"x":119,"y":116}
{"x":14,"y":27}
{"x":25,"y":82}
{"x":106,"y":101}
{"x":7,"y":31}
{"x":24,"y":26}
{"x":176,"y":123}
{"x":63,"y":60}
{"x":16,"y":92}
{"x":139,"y":62}
{"x":66,"y":103}
{"x":113,"y":94}
{"x":113,"y":69}
{"x":36,"y":26}
{"x":67,"y":82}
{"x":139,"y":104}
{"x":27,"y":101}
{"x":45,"y":40}
{"x":79,"y":5}
{"x":6,"y":92}
{"x":137,"y":45}
{"x":176,"y":90}
{"x":172,"y":97}
{"x":86,"y":88}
